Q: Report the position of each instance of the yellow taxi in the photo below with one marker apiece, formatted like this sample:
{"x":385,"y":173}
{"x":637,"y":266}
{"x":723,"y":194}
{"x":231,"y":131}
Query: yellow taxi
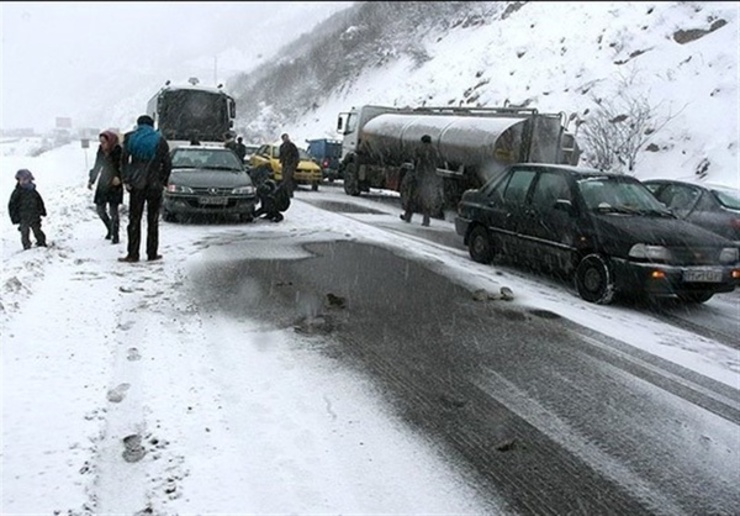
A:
{"x":308,"y":171}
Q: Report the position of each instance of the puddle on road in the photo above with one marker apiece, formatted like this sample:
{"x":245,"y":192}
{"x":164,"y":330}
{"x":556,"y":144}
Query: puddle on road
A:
{"x":345,"y":207}
{"x":381,"y":292}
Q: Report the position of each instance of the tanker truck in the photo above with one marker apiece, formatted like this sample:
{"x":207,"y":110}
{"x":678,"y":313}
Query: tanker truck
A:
{"x":474,"y":144}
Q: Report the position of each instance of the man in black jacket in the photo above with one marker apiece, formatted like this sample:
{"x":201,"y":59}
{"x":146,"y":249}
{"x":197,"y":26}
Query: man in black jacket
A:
{"x":289,"y":159}
{"x":146,"y":168}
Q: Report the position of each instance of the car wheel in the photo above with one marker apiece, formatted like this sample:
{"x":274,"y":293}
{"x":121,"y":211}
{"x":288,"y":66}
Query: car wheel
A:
{"x":351,"y":182}
{"x":695,"y":297}
{"x":594,"y":280}
{"x":168,"y":216}
{"x":481,"y":245}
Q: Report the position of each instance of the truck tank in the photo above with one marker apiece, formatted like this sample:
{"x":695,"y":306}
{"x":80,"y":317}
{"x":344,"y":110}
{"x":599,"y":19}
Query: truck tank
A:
{"x":485,"y":144}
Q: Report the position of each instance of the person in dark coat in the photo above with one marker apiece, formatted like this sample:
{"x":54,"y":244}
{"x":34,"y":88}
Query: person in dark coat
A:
{"x":26,"y":207}
{"x":229,"y":141}
{"x":423,"y":184}
{"x":145,"y":171}
{"x":109,"y":192}
{"x":289,"y":158}
{"x":240,"y":149}
{"x":273,"y":198}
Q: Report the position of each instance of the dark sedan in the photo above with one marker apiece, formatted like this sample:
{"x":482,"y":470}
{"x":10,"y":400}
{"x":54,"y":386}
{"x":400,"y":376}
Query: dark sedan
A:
{"x":604,"y":230}
{"x":208,"y":181}
{"x":713,"y":207}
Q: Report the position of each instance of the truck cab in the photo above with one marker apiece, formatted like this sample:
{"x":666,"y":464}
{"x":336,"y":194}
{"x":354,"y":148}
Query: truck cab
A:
{"x":327,"y":154}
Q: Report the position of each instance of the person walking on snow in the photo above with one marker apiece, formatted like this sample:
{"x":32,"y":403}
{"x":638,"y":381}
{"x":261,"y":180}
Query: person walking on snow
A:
{"x":145,"y":170}
{"x":109,"y":192}
{"x":26,"y":207}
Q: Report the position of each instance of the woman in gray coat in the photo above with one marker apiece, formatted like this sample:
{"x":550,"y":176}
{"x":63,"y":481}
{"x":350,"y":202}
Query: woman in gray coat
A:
{"x":109,"y":192}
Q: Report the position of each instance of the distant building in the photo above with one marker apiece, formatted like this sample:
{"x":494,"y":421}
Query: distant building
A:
{"x":18,"y":132}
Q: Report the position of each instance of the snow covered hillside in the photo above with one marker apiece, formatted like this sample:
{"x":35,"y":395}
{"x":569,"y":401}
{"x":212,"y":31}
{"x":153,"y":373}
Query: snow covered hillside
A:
{"x":564,"y":57}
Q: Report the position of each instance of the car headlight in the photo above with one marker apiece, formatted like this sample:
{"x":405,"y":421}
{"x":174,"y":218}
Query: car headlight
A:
{"x":654,"y":253}
{"x":243,"y":190}
{"x":728,"y":255}
{"x":180,"y":189}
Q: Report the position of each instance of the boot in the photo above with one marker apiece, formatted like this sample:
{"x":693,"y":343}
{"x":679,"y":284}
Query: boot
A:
{"x":114,"y":233}
{"x":109,"y":234}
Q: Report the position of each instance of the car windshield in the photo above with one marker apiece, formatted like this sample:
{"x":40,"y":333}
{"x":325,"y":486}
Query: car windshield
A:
{"x":302,"y":154}
{"x":728,"y":197}
{"x":210,"y":159}
{"x":616,"y":194}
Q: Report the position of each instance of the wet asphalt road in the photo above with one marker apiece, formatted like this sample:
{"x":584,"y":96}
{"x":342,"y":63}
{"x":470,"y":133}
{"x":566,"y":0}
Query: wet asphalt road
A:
{"x":532,"y":409}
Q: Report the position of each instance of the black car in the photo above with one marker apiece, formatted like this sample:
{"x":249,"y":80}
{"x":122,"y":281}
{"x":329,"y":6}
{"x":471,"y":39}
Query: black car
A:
{"x":713,"y":207}
{"x":208,"y":181}
{"x":604,"y":230}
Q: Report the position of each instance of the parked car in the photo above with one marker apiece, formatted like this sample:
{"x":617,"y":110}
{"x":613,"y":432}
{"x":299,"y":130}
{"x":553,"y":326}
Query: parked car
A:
{"x":307,"y":172}
{"x":606,"y":231}
{"x":208,"y":181}
{"x":327,"y":154}
{"x":713,"y":207}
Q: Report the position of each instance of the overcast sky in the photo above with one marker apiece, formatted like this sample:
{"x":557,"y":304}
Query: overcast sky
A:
{"x":58,"y":56}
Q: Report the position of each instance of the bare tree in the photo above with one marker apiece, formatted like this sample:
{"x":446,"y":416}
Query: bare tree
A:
{"x":619,"y":127}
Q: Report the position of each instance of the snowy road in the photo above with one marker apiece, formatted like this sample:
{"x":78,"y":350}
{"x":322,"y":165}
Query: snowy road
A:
{"x":137,"y":387}
{"x":539,"y":411}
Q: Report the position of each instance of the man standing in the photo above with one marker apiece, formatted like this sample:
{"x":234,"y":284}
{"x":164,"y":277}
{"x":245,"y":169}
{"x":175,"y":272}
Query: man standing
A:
{"x":289,"y":158}
{"x":240,"y":149}
{"x":424,"y":184}
{"x":146,"y":168}
{"x":229,"y":141}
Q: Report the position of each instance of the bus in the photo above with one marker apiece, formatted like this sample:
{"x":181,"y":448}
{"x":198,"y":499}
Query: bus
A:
{"x":192,"y":113}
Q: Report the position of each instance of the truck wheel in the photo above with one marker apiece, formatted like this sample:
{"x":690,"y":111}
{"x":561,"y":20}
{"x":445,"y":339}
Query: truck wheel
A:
{"x":481,"y":246}
{"x":315,"y":186}
{"x":351,"y":183}
{"x":594,"y":280}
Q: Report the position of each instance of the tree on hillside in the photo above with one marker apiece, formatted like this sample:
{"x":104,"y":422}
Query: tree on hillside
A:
{"x":620,"y":126}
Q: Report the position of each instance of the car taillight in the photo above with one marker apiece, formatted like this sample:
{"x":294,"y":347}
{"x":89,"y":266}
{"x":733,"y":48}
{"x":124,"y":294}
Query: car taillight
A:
{"x":325,"y":164}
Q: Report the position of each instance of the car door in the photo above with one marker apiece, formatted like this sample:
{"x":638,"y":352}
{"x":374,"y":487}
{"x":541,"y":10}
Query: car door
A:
{"x":710,"y":214}
{"x":513,"y":198}
{"x":547,"y":224}
{"x":261,"y":157}
{"x":277,"y":167}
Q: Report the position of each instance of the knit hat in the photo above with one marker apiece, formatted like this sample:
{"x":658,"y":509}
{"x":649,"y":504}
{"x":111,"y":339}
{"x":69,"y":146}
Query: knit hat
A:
{"x":24,"y":175}
{"x":145,"y":120}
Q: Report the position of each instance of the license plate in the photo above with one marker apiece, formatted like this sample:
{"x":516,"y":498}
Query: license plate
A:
{"x":703,"y":276}
{"x":219,"y":201}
